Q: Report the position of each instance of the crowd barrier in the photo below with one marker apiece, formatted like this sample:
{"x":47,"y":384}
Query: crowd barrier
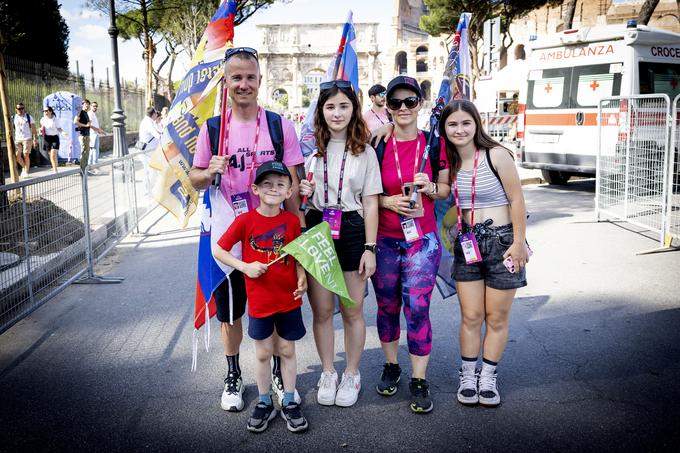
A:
{"x":638,"y":177}
{"x":54,"y":229}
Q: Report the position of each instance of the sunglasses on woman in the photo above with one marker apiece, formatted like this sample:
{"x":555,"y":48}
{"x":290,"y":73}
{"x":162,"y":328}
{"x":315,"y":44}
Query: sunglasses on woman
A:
{"x":410,"y":102}
{"x":335,"y":83}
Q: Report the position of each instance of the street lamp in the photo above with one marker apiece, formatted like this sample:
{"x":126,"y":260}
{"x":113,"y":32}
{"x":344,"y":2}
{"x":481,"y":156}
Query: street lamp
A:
{"x":118,"y":117}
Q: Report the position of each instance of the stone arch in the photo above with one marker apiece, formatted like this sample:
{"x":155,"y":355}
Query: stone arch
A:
{"x":421,"y":58}
{"x":312,"y":79}
{"x":400,"y":63}
{"x":426,"y":88}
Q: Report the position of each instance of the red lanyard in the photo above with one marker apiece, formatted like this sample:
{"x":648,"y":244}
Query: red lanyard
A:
{"x":415,"y":158}
{"x":472,"y":200}
{"x":378,"y":116}
{"x":257,"y":139}
{"x":325,"y":178}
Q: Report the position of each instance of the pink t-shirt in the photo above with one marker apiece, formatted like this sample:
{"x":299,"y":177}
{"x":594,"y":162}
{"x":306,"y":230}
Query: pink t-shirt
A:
{"x":374,"y":120}
{"x":389,"y":224}
{"x":238,"y":175}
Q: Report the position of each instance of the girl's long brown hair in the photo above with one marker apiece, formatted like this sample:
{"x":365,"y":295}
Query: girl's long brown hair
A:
{"x":357,"y":130}
{"x":481,"y":139}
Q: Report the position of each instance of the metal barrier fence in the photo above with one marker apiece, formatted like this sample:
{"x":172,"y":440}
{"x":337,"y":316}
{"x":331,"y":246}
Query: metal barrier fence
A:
{"x":635,"y":169}
{"x":55,"y":227}
{"x":673,"y":210}
{"x":500,"y":127}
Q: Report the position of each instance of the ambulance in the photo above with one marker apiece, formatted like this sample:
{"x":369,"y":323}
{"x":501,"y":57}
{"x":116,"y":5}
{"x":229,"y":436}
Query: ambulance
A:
{"x":569,"y":72}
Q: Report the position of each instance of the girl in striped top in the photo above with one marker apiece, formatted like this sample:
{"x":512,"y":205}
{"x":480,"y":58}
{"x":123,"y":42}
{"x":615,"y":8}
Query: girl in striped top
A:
{"x":491,"y":228}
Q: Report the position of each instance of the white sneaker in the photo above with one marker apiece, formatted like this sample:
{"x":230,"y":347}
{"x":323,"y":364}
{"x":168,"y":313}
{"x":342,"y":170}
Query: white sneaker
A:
{"x":488,"y":392}
{"x":467,"y":390}
{"x":277,"y":386}
{"x":348,"y":391}
{"x":24,"y":173}
{"x":232,"y":396}
{"x":328,"y":386}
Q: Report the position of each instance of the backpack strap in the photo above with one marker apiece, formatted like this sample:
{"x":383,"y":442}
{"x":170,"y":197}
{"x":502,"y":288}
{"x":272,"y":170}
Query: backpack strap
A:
{"x":492,"y":168}
{"x":213,"y":124}
{"x":275,"y":133}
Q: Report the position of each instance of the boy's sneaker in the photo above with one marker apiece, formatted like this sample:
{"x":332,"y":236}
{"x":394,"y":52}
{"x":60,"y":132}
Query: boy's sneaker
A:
{"x":277,"y":386}
{"x":389,"y":379}
{"x":292,"y":414}
{"x":328,"y":386}
{"x":421,"y":403}
{"x":348,"y":390}
{"x":262,"y":415}
{"x":467,"y":390}
{"x":232,"y":396}
{"x":488,"y":392}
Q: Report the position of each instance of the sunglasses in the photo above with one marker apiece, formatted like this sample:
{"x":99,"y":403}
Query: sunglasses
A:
{"x":410,"y":102}
{"x":19,"y":108}
{"x":382,"y":95}
{"x":236,"y":50}
{"x":335,"y":83}
{"x":45,"y":111}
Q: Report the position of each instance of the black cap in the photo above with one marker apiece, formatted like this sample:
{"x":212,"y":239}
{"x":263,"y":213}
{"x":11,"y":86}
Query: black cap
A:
{"x":376,"y":89}
{"x":404,"y":82}
{"x":272,"y":166}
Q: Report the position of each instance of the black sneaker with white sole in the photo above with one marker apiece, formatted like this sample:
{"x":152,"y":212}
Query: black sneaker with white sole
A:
{"x":389,"y":379}
{"x":421,"y":403}
{"x":292,"y":414}
{"x":262,"y":415}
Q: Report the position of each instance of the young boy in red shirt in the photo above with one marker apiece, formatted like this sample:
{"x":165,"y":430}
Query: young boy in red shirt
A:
{"x":274,"y":289}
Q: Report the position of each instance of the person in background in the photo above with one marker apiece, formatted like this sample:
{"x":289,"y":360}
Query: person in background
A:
{"x":25,"y":138}
{"x":149,"y":137}
{"x":377,"y":116}
{"x":491,"y":229}
{"x":83,"y":123}
{"x":94,"y":141}
{"x":345,"y":186}
{"x":50,"y":133}
{"x":164,"y":117}
{"x":409,"y":250}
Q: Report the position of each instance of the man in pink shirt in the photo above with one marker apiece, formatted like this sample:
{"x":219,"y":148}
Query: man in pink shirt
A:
{"x":377,"y":115}
{"x":247,"y":146}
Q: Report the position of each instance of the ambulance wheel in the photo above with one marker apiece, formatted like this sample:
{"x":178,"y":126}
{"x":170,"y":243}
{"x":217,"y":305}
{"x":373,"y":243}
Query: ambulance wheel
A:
{"x":555,"y":177}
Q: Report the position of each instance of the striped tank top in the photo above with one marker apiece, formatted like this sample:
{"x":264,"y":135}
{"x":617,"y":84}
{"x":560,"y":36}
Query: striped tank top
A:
{"x":488,"y":189}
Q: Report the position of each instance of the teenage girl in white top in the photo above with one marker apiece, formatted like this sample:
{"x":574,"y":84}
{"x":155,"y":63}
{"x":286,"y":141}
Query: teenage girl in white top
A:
{"x":50,"y":131}
{"x":345,"y":185}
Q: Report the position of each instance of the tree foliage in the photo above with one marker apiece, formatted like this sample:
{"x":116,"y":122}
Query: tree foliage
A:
{"x":34,"y":30}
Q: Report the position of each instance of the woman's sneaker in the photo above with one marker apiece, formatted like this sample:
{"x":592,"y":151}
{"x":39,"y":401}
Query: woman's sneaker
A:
{"x":389,"y":379}
{"x":232,"y":396}
{"x":421,"y":403}
{"x":262,"y":415}
{"x":488,"y":392}
{"x":467,"y":390}
{"x":348,"y":391}
{"x":292,"y":414}
{"x":328,"y":386}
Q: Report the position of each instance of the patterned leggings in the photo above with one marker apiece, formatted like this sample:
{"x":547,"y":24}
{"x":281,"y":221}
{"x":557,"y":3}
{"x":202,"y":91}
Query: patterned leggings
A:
{"x":406,"y":274}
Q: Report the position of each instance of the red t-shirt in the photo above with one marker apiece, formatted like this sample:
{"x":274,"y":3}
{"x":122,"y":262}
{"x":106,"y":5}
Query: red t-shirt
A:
{"x":262,"y":239}
{"x":389,"y":224}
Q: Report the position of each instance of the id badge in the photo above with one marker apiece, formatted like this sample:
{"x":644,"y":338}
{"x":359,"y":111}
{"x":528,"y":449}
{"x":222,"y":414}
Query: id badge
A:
{"x":468,"y":242}
{"x":334,"y":219}
{"x":241,"y":203}
{"x":411,"y":229}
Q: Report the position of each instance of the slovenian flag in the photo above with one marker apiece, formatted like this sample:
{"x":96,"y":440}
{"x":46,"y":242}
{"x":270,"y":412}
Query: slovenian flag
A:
{"x":348,"y":68}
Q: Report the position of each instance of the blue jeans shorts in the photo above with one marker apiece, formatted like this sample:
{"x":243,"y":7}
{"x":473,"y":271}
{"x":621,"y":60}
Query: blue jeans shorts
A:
{"x":493,"y":242}
{"x":288,"y":325}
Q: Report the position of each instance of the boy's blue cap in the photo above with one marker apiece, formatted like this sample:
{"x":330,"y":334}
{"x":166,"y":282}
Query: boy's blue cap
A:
{"x":273,"y":166}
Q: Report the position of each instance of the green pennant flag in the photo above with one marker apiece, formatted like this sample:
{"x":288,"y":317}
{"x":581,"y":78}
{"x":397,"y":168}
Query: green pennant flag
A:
{"x":314,"y":250}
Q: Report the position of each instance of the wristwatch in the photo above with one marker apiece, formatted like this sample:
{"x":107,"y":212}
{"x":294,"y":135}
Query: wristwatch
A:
{"x":371,"y":247}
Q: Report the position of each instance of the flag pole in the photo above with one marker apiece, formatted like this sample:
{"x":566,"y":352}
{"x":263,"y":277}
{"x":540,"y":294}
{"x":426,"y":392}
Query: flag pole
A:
{"x":223,"y":122}
{"x":341,"y":48}
{"x":278,"y":259}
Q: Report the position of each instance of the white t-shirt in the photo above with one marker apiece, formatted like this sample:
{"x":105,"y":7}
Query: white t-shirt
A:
{"x":50,"y":125}
{"x":149,"y":133}
{"x":93,"y":119}
{"x":22,"y":128}
{"x":362,"y":177}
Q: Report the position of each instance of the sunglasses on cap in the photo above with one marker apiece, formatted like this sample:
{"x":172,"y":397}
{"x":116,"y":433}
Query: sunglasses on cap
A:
{"x":410,"y":102}
{"x":335,"y":83}
{"x":236,"y":50}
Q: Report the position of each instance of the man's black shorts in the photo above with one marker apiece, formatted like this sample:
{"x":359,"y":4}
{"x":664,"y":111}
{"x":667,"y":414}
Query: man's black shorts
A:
{"x":221,"y":294}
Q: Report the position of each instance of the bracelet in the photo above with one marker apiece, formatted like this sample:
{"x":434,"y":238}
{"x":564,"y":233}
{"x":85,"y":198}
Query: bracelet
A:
{"x":435,"y":189}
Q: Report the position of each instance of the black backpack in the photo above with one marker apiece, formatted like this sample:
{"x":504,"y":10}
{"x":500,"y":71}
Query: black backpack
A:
{"x":275,"y":133}
{"x":435,"y":162}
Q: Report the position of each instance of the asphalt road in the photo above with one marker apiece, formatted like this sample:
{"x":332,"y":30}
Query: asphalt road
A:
{"x":592,"y":364}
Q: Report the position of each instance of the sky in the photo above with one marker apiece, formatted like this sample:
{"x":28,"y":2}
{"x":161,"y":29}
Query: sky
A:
{"x":89,"y":38}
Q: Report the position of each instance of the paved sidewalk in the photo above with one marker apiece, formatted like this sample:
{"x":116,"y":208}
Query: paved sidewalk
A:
{"x":593,"y":360}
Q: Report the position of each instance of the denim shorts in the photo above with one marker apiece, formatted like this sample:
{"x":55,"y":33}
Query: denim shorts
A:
{"x":289,"y":326}
{"x":493,"y":242}
{"x":350,"y":246}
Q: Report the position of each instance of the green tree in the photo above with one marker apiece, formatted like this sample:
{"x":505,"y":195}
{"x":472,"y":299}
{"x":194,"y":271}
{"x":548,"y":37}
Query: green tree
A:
{"x":34,"y":30}
{"x":444,"y":15}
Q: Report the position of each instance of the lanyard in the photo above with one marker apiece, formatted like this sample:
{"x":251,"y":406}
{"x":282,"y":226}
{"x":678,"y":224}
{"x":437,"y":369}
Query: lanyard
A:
{"x":257,"y":139}
{"x":378,"y":116}
{"x":472,"y":201}
{"x":325,"y":178}
{"x":396,"y":157}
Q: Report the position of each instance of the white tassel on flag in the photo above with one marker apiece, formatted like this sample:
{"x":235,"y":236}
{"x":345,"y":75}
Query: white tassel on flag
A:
{"x":194,"y":350}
